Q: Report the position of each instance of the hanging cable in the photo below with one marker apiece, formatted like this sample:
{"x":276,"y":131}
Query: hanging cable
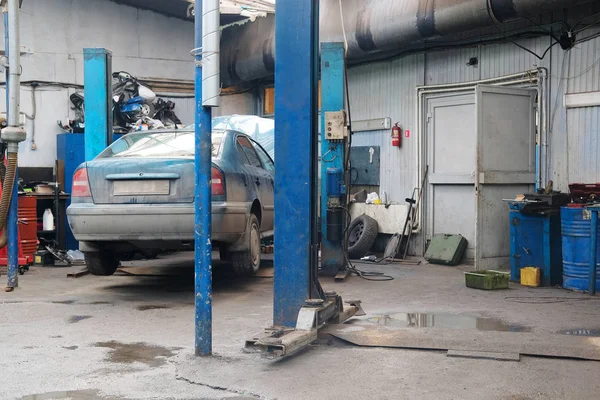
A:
{"x":493,"y":18}
{"x":343,"y":28}
{"x":580,"y":21}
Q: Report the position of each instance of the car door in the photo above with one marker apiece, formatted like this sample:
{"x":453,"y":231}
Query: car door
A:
{"x":260,"y":177}
{"x":269,"y":166}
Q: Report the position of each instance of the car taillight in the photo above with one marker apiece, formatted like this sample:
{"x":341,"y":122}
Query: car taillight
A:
{"x":218,"y":185}
{"x":81,"y":184}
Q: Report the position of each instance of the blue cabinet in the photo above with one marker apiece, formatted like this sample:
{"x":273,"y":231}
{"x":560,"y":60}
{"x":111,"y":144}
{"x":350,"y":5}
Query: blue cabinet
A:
{"x":71,"y":150}
{"x":535,"y":241}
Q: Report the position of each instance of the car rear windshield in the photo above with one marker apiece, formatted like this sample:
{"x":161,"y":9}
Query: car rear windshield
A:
{"x":159,"y":144}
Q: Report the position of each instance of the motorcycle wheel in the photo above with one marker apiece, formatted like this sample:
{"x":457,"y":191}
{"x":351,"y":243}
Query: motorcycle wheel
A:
{"x":148,"y":110}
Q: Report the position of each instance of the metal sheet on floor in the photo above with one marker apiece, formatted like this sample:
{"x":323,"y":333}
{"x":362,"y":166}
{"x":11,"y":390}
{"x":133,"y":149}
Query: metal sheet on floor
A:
{"x":531,"y":344}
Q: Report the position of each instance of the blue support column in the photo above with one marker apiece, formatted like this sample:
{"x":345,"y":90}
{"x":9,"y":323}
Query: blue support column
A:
{"x":203,"y":221}
{"x":332,"y":153}
{"x":12,"y":229}
{"x":98,"y":101}
{"x":296,"y":83}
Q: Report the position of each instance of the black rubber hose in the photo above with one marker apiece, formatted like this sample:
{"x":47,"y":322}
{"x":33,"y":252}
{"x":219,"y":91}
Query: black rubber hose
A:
{"x":3,"y":238}
{"x":7,"y":191}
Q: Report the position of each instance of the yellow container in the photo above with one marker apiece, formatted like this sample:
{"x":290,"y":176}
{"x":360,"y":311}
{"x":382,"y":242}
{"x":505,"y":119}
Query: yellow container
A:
{"x":531,"y":276}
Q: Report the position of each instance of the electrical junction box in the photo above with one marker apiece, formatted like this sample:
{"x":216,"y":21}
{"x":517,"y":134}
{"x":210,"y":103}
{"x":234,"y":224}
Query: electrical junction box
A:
{"x":335,"y":125}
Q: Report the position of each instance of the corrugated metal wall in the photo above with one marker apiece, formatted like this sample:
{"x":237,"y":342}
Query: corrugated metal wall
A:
{"x":387,"y":89}
{"x":575,"y":142}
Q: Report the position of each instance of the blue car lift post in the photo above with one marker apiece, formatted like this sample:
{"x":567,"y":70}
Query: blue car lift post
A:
{"x":207,"y":82}
{"x":97,"y":80}
{"x":334,"y":138}
{"x":301,"y":306}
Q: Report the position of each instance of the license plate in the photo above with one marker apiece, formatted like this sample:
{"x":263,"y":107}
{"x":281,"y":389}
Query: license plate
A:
{"x":141,"y":188}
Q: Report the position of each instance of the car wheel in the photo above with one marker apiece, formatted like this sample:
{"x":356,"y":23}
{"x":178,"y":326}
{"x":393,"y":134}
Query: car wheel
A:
{"x":247,"y":263}
{"x":361,"y":236}
{"x":103,"y":263}
{"x":224,"y":254}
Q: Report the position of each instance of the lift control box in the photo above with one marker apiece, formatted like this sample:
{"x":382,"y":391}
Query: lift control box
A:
{"x":335,"y":125}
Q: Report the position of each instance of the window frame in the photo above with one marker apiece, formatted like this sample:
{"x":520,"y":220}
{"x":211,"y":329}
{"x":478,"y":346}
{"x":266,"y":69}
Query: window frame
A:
{"x":259,"y":149}
{"x":250,"y":163}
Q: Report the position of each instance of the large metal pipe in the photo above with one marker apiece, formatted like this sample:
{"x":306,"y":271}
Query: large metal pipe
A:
{"x":14,"y":62}
{"x":11,"y":136}
{"x":248,"y":51}
{"x":383,"y":25}
{"x":373,"y":27}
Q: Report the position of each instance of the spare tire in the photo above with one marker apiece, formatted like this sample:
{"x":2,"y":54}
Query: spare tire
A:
{"x":361,"y":236}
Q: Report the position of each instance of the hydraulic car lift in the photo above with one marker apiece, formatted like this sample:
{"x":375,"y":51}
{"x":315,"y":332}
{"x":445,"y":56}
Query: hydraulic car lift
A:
{"x":301,"y":306}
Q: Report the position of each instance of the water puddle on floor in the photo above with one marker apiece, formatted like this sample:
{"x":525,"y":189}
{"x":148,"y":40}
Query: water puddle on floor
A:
{"x":70,"y":395}
{"x":128,"y":353}
{"x":445,"y":321}
{"x":147,"y":307}
{"x":581,"y":332}
{"x":76,"y":318}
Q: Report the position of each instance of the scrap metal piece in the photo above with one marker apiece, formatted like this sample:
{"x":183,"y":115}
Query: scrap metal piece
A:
{"x":342,"y":275}
{"x":78,"y":274}
{"x":358,"y":304}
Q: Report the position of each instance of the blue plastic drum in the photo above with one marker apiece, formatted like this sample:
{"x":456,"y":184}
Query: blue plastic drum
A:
{"x":576,"y":242}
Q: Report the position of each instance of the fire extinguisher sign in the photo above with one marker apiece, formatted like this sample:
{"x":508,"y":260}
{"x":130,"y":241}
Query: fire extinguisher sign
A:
{"x":407,"y":133}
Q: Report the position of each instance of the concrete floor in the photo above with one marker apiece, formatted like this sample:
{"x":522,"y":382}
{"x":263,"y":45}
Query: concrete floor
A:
{"x":131,"y":337}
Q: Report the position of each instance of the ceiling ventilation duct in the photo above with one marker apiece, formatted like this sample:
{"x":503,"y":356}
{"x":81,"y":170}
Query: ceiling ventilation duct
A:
{"x":374,"y":26}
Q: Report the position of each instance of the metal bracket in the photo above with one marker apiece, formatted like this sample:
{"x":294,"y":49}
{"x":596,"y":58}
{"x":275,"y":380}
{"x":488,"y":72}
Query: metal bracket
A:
{"x":277,"y":342}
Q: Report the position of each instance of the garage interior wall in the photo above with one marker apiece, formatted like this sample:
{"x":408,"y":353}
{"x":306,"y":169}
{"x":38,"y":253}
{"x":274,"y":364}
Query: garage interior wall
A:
{"x":143,"y":43}
{"x":387,"y":89}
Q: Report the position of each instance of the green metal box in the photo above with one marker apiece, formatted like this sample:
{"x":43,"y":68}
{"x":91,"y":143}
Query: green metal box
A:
{"x":446,"y":249}
{"x":487,"y":280}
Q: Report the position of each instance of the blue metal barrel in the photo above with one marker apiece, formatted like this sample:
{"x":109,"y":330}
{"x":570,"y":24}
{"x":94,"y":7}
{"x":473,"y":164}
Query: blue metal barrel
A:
{"x":576,"y":242}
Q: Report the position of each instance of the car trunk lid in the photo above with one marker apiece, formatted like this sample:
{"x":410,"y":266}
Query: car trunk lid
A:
{"x":141,"y":180}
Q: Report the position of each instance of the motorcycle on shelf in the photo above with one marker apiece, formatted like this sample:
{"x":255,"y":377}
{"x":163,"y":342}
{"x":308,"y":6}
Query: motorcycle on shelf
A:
{"x":135,"y":107}
{"x":132,"y":100}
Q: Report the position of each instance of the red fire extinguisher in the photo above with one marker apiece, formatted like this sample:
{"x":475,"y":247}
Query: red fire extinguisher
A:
{"x":396,"y":136}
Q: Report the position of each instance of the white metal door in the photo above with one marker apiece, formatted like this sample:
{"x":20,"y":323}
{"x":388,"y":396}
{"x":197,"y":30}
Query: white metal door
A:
{"x":451,"y":156}
{"x":505,"y":166}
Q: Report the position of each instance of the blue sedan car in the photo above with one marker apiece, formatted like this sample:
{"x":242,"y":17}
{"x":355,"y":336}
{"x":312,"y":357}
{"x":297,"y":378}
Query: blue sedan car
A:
{"x":138,"y":195}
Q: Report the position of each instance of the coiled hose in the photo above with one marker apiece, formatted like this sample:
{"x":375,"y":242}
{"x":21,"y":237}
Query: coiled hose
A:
{"x":8,"y":185}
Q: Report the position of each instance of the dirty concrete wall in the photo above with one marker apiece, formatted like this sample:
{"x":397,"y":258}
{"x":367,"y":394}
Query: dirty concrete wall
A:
{"x":242,"y":103}
{"x":55,"y":32}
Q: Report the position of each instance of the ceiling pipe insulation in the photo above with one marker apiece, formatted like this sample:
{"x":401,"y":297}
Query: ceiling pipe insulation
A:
{"x":373,"y":27}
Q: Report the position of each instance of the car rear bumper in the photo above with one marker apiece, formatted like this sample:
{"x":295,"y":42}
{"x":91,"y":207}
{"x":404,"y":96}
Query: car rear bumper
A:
{"x":142,"y":222}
